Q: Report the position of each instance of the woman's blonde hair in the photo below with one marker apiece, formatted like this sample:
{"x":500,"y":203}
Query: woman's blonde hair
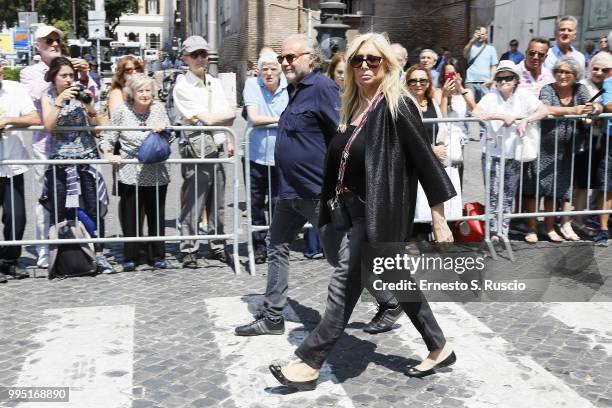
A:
{"x":391,"y":85}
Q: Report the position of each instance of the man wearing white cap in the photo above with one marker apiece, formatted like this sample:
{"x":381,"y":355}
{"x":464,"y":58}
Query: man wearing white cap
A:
{"x":48,"y":44}
{"x":199,"y":99}
{"x":16,"y":110}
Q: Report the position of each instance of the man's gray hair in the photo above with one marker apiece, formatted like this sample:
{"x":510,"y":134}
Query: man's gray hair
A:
{"x":575,"y":67}
{"x":267,"y":58}
{"x":311,"y":47}
{"x":566,"y":18}
{"x":427,"y":50}
{"x":134,"y":82}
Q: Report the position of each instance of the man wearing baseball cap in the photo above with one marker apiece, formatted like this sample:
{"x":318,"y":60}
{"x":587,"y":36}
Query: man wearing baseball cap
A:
{"x":48,"y":41}
{"x":200,"y":99}
{"x":16,"y":110}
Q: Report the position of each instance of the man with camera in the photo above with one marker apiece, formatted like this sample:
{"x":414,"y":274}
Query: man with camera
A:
{"x":48,"y":40}
{"x":200,"y":100}
{"x":16,"y":110}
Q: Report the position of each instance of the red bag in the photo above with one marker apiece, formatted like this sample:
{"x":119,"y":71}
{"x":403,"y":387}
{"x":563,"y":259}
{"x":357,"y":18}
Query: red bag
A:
{"x":472,"y":230}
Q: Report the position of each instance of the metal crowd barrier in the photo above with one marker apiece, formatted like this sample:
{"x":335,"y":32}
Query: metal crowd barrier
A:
{"x":235,"y":161}
{"x":252,"y":228}
{"x":604,"y":137}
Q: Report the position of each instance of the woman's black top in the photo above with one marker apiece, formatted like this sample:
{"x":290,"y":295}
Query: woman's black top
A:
{"x":430,"y":113}
{"x":354,"y":175}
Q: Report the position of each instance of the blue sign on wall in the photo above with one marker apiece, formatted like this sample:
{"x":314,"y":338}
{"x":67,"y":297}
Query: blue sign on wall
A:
{"x":21,"y":38}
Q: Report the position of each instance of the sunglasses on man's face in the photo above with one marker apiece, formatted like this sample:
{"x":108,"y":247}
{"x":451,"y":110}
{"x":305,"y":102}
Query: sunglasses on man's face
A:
{"x":289,"y":57}
{"x":533,"y":53}
{"x":372,"y":61}
{"x":505,"y":78}
{"x":50,"y":40}
{"x":603,"y":70}
{"x":199,"y":54}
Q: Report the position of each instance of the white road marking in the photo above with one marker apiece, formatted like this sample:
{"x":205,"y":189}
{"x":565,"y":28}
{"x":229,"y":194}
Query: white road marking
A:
{"x":591,"y":319}
{"x":249,"y":379}
{"x":490,"y":367}
{"x":90,"y":350}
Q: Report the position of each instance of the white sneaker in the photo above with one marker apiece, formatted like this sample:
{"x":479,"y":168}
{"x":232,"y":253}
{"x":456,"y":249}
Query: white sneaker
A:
{"x":43,"y":260}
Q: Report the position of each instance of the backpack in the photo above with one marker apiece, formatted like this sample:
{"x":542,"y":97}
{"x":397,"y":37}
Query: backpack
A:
{"x":68,"y":260}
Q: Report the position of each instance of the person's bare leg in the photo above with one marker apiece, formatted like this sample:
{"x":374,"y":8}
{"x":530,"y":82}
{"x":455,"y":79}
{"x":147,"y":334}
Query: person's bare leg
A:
{"x":605,"y":218}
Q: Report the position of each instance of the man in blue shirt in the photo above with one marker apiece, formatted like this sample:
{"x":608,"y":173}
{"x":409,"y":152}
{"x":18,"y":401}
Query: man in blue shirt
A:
{"x":514,"y":54}
{"x":481,"y":62}
{"x":265,"y":98}
{"x":565,"y":34}
{"x":304,"y":131}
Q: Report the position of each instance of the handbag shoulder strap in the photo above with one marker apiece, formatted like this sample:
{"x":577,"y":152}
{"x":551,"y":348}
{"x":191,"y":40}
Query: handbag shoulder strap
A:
{"x":345,"y":152}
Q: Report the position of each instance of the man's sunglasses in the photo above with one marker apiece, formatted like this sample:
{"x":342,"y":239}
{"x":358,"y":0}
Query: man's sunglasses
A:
{"x":604,"y":70}
{"x":50,"y":41}
{"x":373,"y":61}
{"x":533,"y":53}
{"x":505,"y":78}
{"x":289,"y":57}
{"x":418,"y":81}
{"x":199,"y":53}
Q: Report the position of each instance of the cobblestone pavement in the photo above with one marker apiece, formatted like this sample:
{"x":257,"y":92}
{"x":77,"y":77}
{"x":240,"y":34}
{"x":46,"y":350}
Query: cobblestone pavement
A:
{"x":163,"y":338}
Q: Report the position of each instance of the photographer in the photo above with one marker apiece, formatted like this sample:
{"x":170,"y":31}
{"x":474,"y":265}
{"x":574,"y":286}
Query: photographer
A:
{"x":67,"y":103}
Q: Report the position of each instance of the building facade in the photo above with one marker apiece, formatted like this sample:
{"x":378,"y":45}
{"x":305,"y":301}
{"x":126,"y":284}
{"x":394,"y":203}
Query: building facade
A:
{"x":245,"y":26}
{"x":152,"y":26}
{"x":524,"y":19}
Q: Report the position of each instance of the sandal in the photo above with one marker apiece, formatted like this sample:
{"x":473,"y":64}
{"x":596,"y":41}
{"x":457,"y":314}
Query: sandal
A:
{"x":568,"y":233}
{"x":554,"y":237}
{"x":531,"y":238}
{"x":310,"y":385}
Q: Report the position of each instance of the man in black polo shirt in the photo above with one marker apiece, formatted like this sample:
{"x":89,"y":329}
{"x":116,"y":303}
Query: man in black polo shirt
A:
{"x":304,"y":131}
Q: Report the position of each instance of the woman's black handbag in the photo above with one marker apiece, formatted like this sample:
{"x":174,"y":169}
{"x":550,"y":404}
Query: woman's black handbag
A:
{"x":340,"y":216}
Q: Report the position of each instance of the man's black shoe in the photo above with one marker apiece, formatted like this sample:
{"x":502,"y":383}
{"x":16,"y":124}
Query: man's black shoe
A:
{"x":261,"y":326}
{"x":190,"y":261}
{"x":218,"y":255}
{"x":383,"y":320}
{"x":14,"y":271}
{"x":261,"y":256}
{"x":3,"y":278}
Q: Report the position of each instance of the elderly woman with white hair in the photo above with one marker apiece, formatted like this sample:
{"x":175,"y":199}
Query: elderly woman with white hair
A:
{"x":552,"y":178}
{"x":140,"y":186}
{"x":265,"y":98}
{"x":586,"y":169}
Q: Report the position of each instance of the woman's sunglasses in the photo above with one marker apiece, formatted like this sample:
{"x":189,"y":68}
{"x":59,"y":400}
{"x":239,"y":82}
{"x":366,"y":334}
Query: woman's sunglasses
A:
{"x":373,"y":61}
{"x":418,"y":81}
{"x":131,"y":70}
{"x":505,"y":78}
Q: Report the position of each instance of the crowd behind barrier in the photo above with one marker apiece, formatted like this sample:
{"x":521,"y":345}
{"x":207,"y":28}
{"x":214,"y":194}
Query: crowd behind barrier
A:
{"x":233,"y":235}
{"x":489,"y":212}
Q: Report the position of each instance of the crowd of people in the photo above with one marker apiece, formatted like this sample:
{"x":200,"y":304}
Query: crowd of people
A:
{"x":320,"y":162}
{"x":511,"y":95}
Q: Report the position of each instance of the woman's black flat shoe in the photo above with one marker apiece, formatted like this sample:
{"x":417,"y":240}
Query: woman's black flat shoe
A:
{"x":292,"y":385}
{"x":414,"y":373}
